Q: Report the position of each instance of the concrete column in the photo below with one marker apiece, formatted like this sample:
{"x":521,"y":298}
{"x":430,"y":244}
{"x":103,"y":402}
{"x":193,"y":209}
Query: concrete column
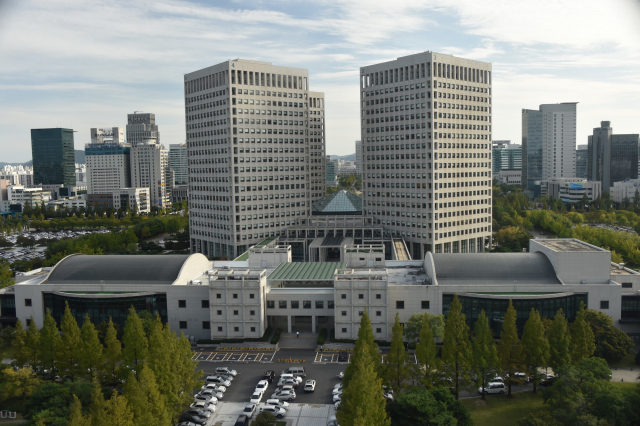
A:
{"x":288,"y":323}
{"x":313,"y":323}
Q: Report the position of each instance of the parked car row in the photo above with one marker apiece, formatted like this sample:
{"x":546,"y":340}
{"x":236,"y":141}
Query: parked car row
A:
{"x":204,"y":404}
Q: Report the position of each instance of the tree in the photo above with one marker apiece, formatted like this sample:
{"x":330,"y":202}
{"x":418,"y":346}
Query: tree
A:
{"x":49,"y":344}
{"x":117,"y":412}
{"x":69,"y":348}
{"x":112,"y":354}
{"x":363,"y":402}
{"x":365,"y":336}
{"x":76,"y":418}
{"x":145,"y":400}
{"x":5,"y":274}
{"x":582,"y":339}
{"x":559,"y":341}
{"x":415,"y":323}
{"x":395,"y":368}
{"x":423,"y":371}
{"x":510,"y":349}
{"x":485,"y":360}
{"x":33,"y":344}
{"x":418,"y":406}
{"x":136,"y":345}
{"x":22,"y":382}
{"x":90,"y":357}
{"x":612,"y":344}
{"x":19,"y":343}
{"x":535,"y":347}
{"x":456,"y":349}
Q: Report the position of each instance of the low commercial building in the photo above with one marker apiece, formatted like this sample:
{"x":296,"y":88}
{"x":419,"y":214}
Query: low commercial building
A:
{"x":133,"y":198}
{"x":627,"y":189}
{"x":510,"y":176}
{"x":19,"y":195}
{"x":68,"y":203}
{"x":180,"y":193}
{"x":570,"y":190}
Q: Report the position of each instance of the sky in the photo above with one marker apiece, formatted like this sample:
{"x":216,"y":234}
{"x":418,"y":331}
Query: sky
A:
{"x":82,"y":64}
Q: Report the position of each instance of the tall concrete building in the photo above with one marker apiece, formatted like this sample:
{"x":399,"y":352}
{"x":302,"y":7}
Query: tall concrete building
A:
{"x":53,"y":157}
{"x":141,"y":127}
{"x":548,"y":143}
{"x":179,"y":162}
{"x":256,"y":142}
{"x":426,"y":135}
{"x":149,"y":166}
{"x":582,"y":155}
{"x":612,"y":158}
{"x":506,"y":156}
{"x":359,"y":158}
{"x":108,"y":160}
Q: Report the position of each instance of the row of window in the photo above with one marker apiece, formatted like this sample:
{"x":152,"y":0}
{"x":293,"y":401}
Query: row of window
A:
{"x":206,"y":325}
{"x":295,"y":304}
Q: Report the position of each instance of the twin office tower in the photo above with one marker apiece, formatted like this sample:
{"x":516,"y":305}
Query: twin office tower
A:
{"x":256,"y":147}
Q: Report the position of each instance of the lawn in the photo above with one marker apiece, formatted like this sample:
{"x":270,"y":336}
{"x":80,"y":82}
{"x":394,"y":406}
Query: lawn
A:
{"x":500,"y":410}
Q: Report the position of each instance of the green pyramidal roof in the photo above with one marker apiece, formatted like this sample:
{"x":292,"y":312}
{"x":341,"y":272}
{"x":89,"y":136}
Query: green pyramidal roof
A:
{"x":338,"y":203}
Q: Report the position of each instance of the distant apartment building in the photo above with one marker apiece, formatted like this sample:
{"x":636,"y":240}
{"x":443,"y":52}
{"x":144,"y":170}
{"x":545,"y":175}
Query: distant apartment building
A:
{"x":53,"y":156}
{"x":18,"y":175}
{"x":81,"y":174}
{"x":345,"y":168}
{"x":358,"y":159}
{"x":67,"y":203}
{"x":612,"y":158}
{"x":179,"y":162}
{"x":132,"y":198}
{"x":548,"y":143}
{"x":17,"y":194}
{"x":627,"y":189}
{"x":108,"y":161}
{"x":506,"y":156}
{"x":256,"y":139}
{"x":582,"y":156}
{"x":149,"y":165}
{"x":570,"y":190}
{"x":426,"y":134}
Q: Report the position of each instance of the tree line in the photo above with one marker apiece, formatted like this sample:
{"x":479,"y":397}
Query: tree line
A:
{"x":155,"y":367}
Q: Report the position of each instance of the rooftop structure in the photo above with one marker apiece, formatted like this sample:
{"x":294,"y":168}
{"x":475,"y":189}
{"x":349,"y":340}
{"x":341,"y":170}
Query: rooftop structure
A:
{"x":339,"y":203}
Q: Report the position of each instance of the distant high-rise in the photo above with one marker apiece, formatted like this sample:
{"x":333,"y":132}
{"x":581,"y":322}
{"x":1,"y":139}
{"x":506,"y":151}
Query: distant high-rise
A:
{"x":612,"y":158}
{"x":330,"y":175}
{"x":582,"y":155}
{"x":179,"y":162}
{"x":140,"y":127}
{"x":359,"y":158}
{"x":506,"y":156}
{"x":108,"y":160}
{"x":53,"y":157}
{"x":149,"y":165}
{"x":426,"y":135}
{"x":548,"y":143}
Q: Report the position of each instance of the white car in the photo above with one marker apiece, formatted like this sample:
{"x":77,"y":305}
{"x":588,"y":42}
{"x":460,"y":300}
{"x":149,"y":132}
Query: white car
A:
{"x":249,"y":410}
{"x":337,"y":391}
{"x":276,"y":411}
{"x":341,"y":375}
{"x":338,"y":386}
{"x":225,"y":370}
{"x":262,"y":386}
{"x":205,"y":398}
{"x":333,"y":421}
{"x":256,"y":398}
{"x":496,"y":379}
{"x":207,"y":406}
{"x":290,"y":382}
{"x":277,"y":403}
{"x":210,"y":394}
{"x":336,"y":405}
{"x":285,"y":388}
{"x":215,"y":387}
{"x":337,"y":398}
{"x":493,"y":388}
{"x":310,"y":386}
{"x":218,"y":381}
{"x":388,"y":396}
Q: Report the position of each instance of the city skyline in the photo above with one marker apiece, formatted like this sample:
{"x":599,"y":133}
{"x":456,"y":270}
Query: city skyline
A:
{"x":540,"y":54}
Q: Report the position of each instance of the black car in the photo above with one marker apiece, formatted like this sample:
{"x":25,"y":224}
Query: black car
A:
{"x":343,"y":356}
{"x":547,"y":382}
{"x":194,"y":419}
{"x":269,"y":375}
{"x":243,"y":420}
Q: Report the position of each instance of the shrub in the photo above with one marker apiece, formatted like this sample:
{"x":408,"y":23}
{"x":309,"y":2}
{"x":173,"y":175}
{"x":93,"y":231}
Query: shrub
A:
{"x":276,"y":336}
{"x":322,"y":336}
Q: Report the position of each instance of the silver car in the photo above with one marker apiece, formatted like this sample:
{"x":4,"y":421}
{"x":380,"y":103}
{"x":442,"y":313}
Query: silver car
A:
{"x":276,"y":411}
{"x":284,"y":395}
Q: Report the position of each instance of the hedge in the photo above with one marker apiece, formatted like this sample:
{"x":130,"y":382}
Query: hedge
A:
{"x":322,"y":336}
{"x":264,"y":338}
{"x":276,"y":336}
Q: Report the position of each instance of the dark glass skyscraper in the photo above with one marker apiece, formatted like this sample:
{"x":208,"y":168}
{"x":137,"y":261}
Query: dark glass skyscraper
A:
{"x":612,"y":158}
{"x":53,"y":157}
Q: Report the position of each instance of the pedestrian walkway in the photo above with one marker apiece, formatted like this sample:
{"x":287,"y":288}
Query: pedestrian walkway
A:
{"x":306,"y":341}
{"x":297,"y":414}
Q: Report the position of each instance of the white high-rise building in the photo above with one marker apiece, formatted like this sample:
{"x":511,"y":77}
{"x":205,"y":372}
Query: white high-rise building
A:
{"x":548,"y":143}
{"x":358,"y":160}
{"x":149,"y":165}
{"x":142,"y":127}
{"x":256,"y":141}
{"x":426,"y":142}
{"x":179,"y":163}
{"x":107,"y":160}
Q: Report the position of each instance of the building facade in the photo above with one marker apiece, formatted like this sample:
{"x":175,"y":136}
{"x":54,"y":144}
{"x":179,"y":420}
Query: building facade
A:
{"x":548,"y":143}
{"x":330,"y":171}
{"x":506,"y":156}
{"x":628,"y":189}
{"x":570,"y":190}
{"x":582,"y":156}
{"x":612,"y":158}
{"x":149,"y":165}
{"x":510,"y":176}
{"x":53,"y":156}
{"x":108,"y":160}
{"x":426,"y":134}
{"x":179,"y":163}
{"x":358,"y":160}
{"x":256,"y":144}
{"x":141,"y":127}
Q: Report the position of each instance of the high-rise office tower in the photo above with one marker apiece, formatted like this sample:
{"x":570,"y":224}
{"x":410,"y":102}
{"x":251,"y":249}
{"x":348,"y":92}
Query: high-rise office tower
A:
{"x":149,"y":165}
{"x":141,"y":127}
{"x":359,"y":158}
{"x":612,"y":158}
{"x":256,"y":141}
{"x":506,"y":156}
{"x":179,"y":163}
{"x":582,"y":155}
{"x":53,"y":157}
{"x":548,"y":143}
{"x":426,"y":141}
{"x":108,"y":160}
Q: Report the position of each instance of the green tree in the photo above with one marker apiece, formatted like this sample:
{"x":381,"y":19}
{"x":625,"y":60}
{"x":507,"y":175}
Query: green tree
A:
{"x":485,"y":360}
{"x":365,"y":336}
{"x":612,"y":344}
{"x":117,"y":412}
{"x":582,"y":339}
{"x":535,"y":347}
{"x":19,"y":344}
{"x":90,"y":357}
{"x":559,"y":341}
{"x":6,"y":274}
{"x":76,"y":418}
{"x":112,"y":354}
{"x":423,"y":371}
{"x":362,"y":401}
{"x":69,"y":348}
{"x":49,"y":344}
{"x":395,"y":367}
{"x":415,"y":323}
{"x":136,"y":345}
{"x":418,"y":406}
{"x":33,"y":344}
{"x":543,"y":418}
{"x":510,"y":349}
{"x":145,"y":400}
{"x":22,"y":382}
{"x":456,"y":348}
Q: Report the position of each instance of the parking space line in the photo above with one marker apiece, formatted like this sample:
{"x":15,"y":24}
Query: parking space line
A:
{"x":349,"y":360}
{"x":259,"y":357}
{"x":195,"y":355}
{"x":318,"y":357}
{"x":211,"y":355}
{"x":227,"y":356}
{"x":243,"y":356}
{"x":334,"y":358}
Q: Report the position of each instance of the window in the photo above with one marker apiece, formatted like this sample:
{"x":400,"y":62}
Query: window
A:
{"x":360,"y":296}
{"x":282,"y":304}
{"x":604,"y":304}
{"x":378,"y":313}
{"x":378,"y":330}
{"x":425,"y":304}
{"x":360,"y":313}
{"x":218,"y":296}
{"x":206,"y":325}
{"x":182,"y":303}
{"x":183,"y":324}
{"x":205,"y":303}
{"x":28,"y":322}
{"x":344,"y":330}
{"x":236,"y":329}
{"x":271,"y":304}
{"x":624,"y":285}
{"x":235,"y":295}
{"x":319,"y":304}
{"x":399,"y":304}
{"x":253,"y":329}
{"x":330,"y":304}
{"x":378,"y":296}
{"x":252,"y":312}
{"x":295,"y":304}
{"x":344,"y":313}
{"x":219,"y":328}
{"x":235,"y":312}
{"x":219,"y":312}
{"x":343,"y":296}
{"x":27,"y":302}
{"x":252,"y":296}
{"x":306,"y":304}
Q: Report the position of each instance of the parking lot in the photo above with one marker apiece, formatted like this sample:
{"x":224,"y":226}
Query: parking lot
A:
{"x":234,"y":356}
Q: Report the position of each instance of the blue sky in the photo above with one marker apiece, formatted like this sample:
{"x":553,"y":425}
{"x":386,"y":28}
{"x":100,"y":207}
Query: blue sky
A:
{"x":83,"y":64}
